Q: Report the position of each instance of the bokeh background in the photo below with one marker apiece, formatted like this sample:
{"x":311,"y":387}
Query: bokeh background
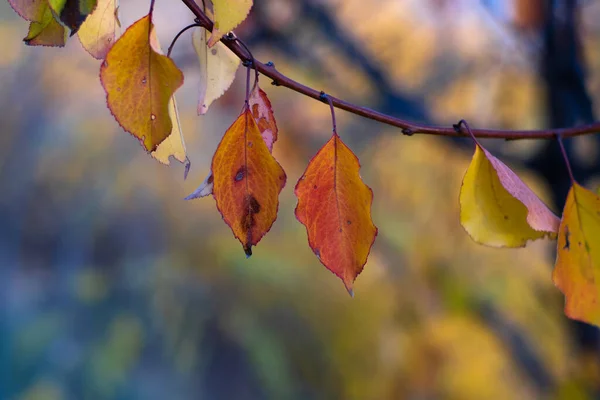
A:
{"x":114,"y":287}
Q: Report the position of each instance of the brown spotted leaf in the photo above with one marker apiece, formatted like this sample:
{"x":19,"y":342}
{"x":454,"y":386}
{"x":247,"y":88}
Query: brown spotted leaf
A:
{"x":247,"y":182}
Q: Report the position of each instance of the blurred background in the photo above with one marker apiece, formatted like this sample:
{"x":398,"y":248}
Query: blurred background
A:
{"x":114,"y":287}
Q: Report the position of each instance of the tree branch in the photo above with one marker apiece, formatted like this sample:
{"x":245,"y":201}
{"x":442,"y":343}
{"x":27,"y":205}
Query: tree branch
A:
{"x":408,"y":128}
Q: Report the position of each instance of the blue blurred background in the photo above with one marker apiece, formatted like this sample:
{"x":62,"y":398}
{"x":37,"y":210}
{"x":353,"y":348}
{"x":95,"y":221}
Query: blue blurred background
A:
{"x":114,"y":287}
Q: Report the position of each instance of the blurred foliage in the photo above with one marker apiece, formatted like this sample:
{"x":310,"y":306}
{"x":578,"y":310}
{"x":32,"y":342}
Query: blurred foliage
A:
{"x":113,"y":287}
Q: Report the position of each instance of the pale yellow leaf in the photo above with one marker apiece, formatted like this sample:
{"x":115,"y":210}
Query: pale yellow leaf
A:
{"x":100,"y":29}
{"x":217,"y":69}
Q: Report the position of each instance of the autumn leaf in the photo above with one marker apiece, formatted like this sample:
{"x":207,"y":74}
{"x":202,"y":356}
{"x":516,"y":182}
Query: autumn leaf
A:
{"x":217,"y":69}
{"x":335,"y":207}
{"x":228,"y":15}
{"x":262,"y":112}
{"x":498,"y":209}
{"x":577,"y":269}
{"x":100,"y":30}
{"x":72,"y":13}
{"x":46,"y":32}
{"x":139,"y":83}
{"x":247,"y":182}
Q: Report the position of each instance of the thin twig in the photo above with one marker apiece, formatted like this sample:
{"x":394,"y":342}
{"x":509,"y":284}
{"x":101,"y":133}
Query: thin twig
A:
{"x":408,"y":128}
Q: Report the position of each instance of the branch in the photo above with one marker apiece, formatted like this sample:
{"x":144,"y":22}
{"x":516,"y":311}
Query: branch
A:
{"x":408,"y":128}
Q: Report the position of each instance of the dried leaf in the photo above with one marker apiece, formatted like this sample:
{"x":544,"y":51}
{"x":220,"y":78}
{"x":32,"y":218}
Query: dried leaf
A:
{"x":139,"y":82}
{"x":498,"y":209}
{"x":577,"y":269}
{"x":335,"y":206}
{"x":261,"y":109}
{"x":247,"y":182}
{"x":262,"y":112}
{"x":100,"y":30}
{"x":217,"y":69}
{"x":47,"y":32}
{"x":228,"y":15}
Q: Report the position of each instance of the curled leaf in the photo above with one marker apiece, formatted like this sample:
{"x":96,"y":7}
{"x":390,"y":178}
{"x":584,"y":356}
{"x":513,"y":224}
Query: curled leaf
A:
{"x":498,"y":209}
{"x":247,"y":182}
{"x":217,"y":69}
{"x":228,"y":15}
{"x":139,"y":83}
{"x":577,"y":269}
{"x":99,"y":31}
{"x":335,"y":207}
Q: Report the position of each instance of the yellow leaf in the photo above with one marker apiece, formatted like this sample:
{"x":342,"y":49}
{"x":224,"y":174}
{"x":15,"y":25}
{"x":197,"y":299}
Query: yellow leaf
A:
{"x":577,"y":269}
{"x":335,"y":206}
{"x":497,"y":208}
{"x":139,"y":82}
{"x":228,"y":15}
{"x":47,"y":32}
{"x":100,"y":29}
{"x":217,"y":69}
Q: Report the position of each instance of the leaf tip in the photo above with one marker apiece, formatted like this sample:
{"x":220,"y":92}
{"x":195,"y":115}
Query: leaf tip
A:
{"x":248,"y":250}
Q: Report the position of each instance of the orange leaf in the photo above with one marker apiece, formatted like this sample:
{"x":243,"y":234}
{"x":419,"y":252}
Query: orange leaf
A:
{"x":577,"y":269}
{"x":262,"y":112}
{"x":247,"y":182}
{"x":335,"y":206}
{"x":139,"y":82}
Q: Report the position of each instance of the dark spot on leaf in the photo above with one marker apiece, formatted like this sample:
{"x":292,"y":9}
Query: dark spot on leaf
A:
{"x":214,"y":53}
{"x":506,"y":217}
{"x":239,"y":175}
{"x":144,"y":80}
{"x":587,"y":246}
{"x":349,"y":222}
{"x":567,"y":245}
{"x":315,"y":187}
{"x":340,"y":230}
{"x":318,"y":253}
{"x":250,"y":144}
{"x":210,"y":179}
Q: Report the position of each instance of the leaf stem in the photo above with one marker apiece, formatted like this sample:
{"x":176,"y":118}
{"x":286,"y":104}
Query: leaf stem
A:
{"x":325,"y":96}
{"x":565,"y":157}
{"x":469,"y":131}
{"x":178,"y":35}
{"x":408,"y":127}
